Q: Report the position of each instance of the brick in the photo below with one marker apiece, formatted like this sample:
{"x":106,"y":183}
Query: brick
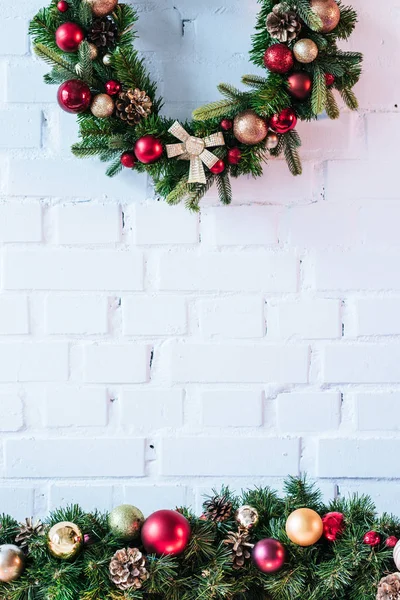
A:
{"x":231,"y":408}
{"x":159,"y":224}
{"x":64,"y":269}
{"x":11,"y":412}
{"x":378,"y":316}
{"x":341,"y":138}
{"x":76,"y":407}
{"x":89,"y":497}
{"x":17,"y":500}
{"x":35,"y":362}
{"x":377,"y":223}
{"x":20,"y":222}
{"x":378,"y":411}
{"x":239,"y":226}
{"x":20,"y":127}
{"x":385,"y":494}
{"x":154,"y":315}
{"x":342,"y":174}
{"x":358,"y":458}
{"x":378,"y":124}
{"x":28,"y":76}
{"x":87,"y":223}
{"x":116,"y":363}
{"x":79,"y":315}
{"x":157,"y":497}
{"x":308,"y":411}
{"x":309,"y":319}
{"x":14,"y":314}
{"x":361,"y":363}
{"x":43,"y":458}
{"x":236,"y":317}
{"x":15,"y":42}
{"x":152,"y":409}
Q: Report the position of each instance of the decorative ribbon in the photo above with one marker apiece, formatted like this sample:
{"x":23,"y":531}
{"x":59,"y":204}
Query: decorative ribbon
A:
{"x":194,"y":149}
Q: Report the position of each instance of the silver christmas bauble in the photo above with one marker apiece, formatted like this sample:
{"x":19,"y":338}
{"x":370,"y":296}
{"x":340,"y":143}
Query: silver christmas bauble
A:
{"x":396,"y":555}
{"x":12,"y":562}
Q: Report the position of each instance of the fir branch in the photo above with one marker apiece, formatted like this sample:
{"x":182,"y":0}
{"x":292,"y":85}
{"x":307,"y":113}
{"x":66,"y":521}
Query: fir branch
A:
{"x":255,"y":81}
{"x":180,"y":191}
{"x":290,"y":145}
{"x":332,"y":109}
{"x":318,"y":97}
{"x":308,"y":15}
{"x":349,"y":98}
{"x":224,"y":188}
{"x":221,"y":108}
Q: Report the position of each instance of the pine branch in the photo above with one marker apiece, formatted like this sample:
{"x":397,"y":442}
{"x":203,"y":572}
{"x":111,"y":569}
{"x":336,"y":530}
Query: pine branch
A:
{"x":307,"y":15}
{"x":318,"y":96}
{"x":56,"y":60}
{"x":290,"y":145}
{"x":332,"y":109}
{"x":221,"y":108}
{"x":349,"y":98}
{"x":180,"y":192}
{"x":224,"y":188}
{"x":254,"y":81}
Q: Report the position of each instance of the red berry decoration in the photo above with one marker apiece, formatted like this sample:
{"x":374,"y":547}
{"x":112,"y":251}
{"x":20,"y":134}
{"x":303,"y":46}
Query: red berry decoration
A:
{"x":148,"y":149}
{"x":74,"y":96}
{"x":269,"y":555}
{"x":300,"y":85}
{"x":226,"y":124}
{"x":113,"y":87}
{"x":62,"y":6}
{"x":234,"y":156}
{"x":166,"y":532}
{"x":69,"y":36}
{"x":372,"y":538}
{"x":329,"y":79}
{"x":278,"y":58}
{"x":391,"y":541}
{"x":333,"y":525}
{"x":284,"y":121}
{"x":218,"y":168}
{"x":128,"y":160}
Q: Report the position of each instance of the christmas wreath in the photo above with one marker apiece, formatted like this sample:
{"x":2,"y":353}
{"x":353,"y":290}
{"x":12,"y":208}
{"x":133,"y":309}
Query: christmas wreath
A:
{"x":102,"y":78}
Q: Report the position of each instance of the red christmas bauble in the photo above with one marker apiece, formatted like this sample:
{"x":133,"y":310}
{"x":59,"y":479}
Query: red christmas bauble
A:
{"x":69,"y":36}
{"x":391,"y":541}
{"x":128,"y":160}
{"x":234,"y":156}
{"x":284,"y":121}
{"x":74,"y":96}
{"x":62,"y":6}
{"x":226,"y":124}
{"x":329,"y":79}
{"x":166,"y":532}
{"x":148,"y":149}
{"x":218,"y":168}
{"x":372,"y":538}
{"x":278,"y":58}
{"x":269,"y":555}
{"x":113,"y":87}
{"x":300,"y":85}
{"x":333,"y":525}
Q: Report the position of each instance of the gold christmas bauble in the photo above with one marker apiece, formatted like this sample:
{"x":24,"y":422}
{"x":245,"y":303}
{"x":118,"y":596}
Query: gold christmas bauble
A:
{"x":249,"y":128}
{"x":102,"y":106}
{"x":247,"y":517}
{"x":305,"y":50}
{"x":107,"y":60}
{"x":329,"y":13}
{"x":102,"y":8}
{"x":125,"y":522}
{"x":12,"y":562}
{"x":304,"y":527}
{"x":94,"y":51}
{"x":396,"y":555}
{"x":65,"y":540}
{"x":272,"y":140}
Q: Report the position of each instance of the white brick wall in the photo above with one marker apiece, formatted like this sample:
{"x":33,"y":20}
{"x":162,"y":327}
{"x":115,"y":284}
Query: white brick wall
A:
{"x":233,"y":346}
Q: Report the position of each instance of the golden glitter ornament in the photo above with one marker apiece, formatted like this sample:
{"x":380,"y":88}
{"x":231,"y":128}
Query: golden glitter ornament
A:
{"x":304,"y":527}
{"x":102,"y":106}
{"x":305,"y":50}
{"x":12,"y":562}
{"x":249,"y":128}
{"x":102,"y":8}
{"x":125,"y":522}
{"x":247,"y":517}
{"x":272,"y":140}
{"x":94,"y":52}
{"x":329,"y":13}
{"x":65,"y":540}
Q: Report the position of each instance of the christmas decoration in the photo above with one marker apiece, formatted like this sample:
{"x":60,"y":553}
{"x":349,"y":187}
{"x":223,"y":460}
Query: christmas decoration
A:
{"x":107,"y":58}
{"x":305,"y":51}
{"x":240,"y":547}
{"x":396,"y":555}
{"x":148,"y":149}
{"x":128,"y":160}
{"x":195,"y":150}
{"x":113,"y":87}
{"x":218,"y":168}
{"x":272,"y":140}
{"x":372,"y":538}
{"x":226,"y":124}
{"x":247,"y":517}
{"x":278,"y":58}
{"x":65,"y":540}
{"x":27,"y":531}
{"x":166,"y":532}
{"x":389,"y":587}
{"x":269,"y":555}
{"x":69,"y":36}
{"x":102,"y":8}
{"x":284,"y":121}
{"x":300,"y":85}
{"x":234,"y":156}
{"x":249,"y":128}
{"x":333,"y":523}
{"x":62,"y":6}
{"x":102,"y":106}
{"x":133,"y":106}
{"x":283,"y":23}
{"x":329,"y":79}
{"x":126,"y":521}
{"x":93,"y":51}
{"x":328,"y":12}
{"x":304,"y":527}
{"x":12,"y":563}
{"x":391,"y":541}
{"x":74,"y":96}
{"x":128,"y":569}
{"x":103,"y":33}
{"x":218,"y":508}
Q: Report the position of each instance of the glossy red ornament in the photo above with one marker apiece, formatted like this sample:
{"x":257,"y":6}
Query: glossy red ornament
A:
{"x":269,"y":555}
{"x":372,"y":538}
{"x":218,"y":168}
{"x":234,"y":156}
{"x":333,"y":525}
{"x":166,"y":532}
{"x":113,"y":87}
{"x":69,"y":36}
{"x":391,"y":541}
{"x":284,"y":121}
{"x":148,"y":149}
{"x":329,"y":79}
{"x":278,"y":58}
{"x":62,"y":6}
{"x":300,"y":85}
{"x":74,"y":96}
{"x":226,"y":124}
{"x":128,"y":160}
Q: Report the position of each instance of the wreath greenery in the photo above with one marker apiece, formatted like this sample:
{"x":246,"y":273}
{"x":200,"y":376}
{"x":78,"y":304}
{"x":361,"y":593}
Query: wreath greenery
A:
{"x":89,"y":45}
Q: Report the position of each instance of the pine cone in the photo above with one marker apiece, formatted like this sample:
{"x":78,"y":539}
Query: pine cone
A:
{"x":103,"y":33}
{"x":389,"y":587}
{"x":240,"y":543}
{"x":27,"y":531}
{"x":133,"y":106}
{"x":218,"y":509}
{"x":283,"y":23}
{"x":128,"y":569}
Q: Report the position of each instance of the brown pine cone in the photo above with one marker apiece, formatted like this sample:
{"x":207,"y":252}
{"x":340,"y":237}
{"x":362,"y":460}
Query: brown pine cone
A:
{"x":218,"y":509}
{"x":283,"y":24}
{"x":133,"y":106}
{"x":389,"y":587}
{"x":240,"y":544}
{"x":27,"y":531}
{"x":103,"y":33}
{"x":128,"y":569}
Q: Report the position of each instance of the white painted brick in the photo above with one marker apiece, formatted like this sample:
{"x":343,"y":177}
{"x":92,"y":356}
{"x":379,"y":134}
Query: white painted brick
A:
{"x":361,"y":363}
{"x":154,"y":315}
{"x":229,"y":457}
{"x":310,"y":319}
{"x":17,"y":501}
{"x":159,"y":223}
{"x":58,"y":458}
{"x":116,"y":363}
{"x":14,"y":317}
{"x":384,"y":494}
{"x":20,"y":127}
{"x":34,"y":362}
{"x":378,"y":124}
{"x":76,"y":407}
{"x":11,"y":412}
{"x":29,"y":76}
{"x":239,"y":226}
{"x":156,"y":497}
{"x":378,"y":316}
{"x":20,"y":222}
{"x":80,"y":315}
{"x":16,"y":39}
{"x":152,"y":409}
{"x":343,"y":457}
{"x":89,"y":496}
{"x":378,"y":223}
{"x":62,"y":269}
{"x":86,"y":223}
{"x":232,"y":408}
{"x":378,"y":411}
{"x":236,"y":317}
{"x":308,"y":411}
{"x":342,"y":175}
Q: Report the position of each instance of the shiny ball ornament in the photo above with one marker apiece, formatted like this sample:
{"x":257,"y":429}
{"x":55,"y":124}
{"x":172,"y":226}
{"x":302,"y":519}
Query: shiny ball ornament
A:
{"x":247,"y":517}
{"x":128,"y":160}
{"x":148,"y":149}
{"x":234,"y":156}
{"x":62,"y":6}
{"x":391,"y":541}
{"x":329,"y":79}
{"x":396,"y":555}
{"x":304,"y":527}
{"x":269,"y":555}
{"x":372,"y":538}
{"x":102,"y":8}
{"x":102,"y":106}
{"x":226,"y":124}
{"x":329,"y":13}
{"x":218,"y":168}
{"x":305,"y":51}
{"x":272,"y":140}
{"x":278,"y":58}
{"x":93,"y":51}
{"x":113,"y":87}
{"x":126,"y":521}
{"x":74,"y":96}
{"x":107,"y":60}
{"x":249,"y":128}
{"x":65,"y":540}
{"x":166,"y":532}
{"x":12,"y":563}
{"x":69,"y":36}
{"x":284,"y":121}
{"x":333,"y":525}
{"x":300,"y":85}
